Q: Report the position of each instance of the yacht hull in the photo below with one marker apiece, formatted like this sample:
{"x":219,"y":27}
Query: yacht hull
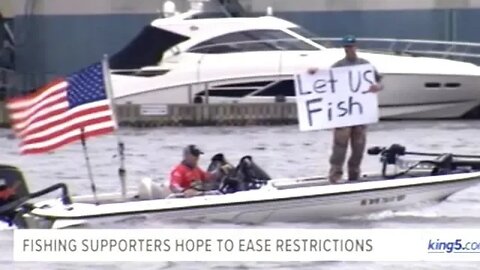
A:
{"x":406,"y":96}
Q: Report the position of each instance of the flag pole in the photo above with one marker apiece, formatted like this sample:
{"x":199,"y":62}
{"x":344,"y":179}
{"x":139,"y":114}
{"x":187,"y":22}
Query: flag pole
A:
{"x":121,"y":146}
{"x":89,"y":167}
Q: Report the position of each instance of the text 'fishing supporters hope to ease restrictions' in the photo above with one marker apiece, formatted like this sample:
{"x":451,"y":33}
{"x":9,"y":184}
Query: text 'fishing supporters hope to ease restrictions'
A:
{"x":197,"y":245}
{"x":268,"y":244}
{"x":336,"y":97}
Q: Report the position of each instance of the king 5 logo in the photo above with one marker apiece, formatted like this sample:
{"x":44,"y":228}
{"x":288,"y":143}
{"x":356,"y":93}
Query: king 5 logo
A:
{"x":453,"y":246}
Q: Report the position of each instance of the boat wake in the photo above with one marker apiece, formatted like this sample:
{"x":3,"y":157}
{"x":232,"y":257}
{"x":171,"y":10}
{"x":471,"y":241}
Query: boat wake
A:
{"x":451,"y":213}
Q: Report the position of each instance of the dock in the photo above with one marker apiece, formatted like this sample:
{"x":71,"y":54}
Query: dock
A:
{"x":236,"y":114}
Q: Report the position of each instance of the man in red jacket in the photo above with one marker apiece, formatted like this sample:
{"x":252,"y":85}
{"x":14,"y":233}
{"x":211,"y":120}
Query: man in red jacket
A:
{"x":188,"y":171}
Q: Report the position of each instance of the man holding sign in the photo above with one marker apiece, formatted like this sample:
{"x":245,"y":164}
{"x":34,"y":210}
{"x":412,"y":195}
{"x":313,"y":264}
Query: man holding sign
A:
{"x":342,"y":98}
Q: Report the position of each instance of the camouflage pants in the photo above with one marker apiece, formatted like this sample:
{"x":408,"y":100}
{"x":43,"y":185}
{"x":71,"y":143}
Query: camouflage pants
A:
{"x":356,"y":135}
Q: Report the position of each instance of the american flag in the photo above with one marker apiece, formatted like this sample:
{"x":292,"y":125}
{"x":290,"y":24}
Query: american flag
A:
{"x":54,"y":115}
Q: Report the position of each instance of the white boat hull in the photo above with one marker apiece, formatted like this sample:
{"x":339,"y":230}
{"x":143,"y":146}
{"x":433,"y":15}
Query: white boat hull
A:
{"x":405,"y":95}
{"x":307,"y":200}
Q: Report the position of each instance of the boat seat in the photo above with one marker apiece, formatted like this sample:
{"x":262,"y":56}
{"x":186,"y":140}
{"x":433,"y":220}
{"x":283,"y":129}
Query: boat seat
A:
{"x":151,"y":190}
{"x":443,"y":164}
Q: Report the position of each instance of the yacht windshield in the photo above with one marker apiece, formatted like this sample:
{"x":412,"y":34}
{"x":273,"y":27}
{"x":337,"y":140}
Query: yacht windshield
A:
{"x":252,"y":40}
{"x":282,"y":40}
{"x":146,"y":49}
{"x":310,"y":35}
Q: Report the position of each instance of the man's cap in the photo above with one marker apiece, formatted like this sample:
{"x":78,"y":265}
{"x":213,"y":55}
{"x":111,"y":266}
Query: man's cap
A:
{"x":349,"y":40}
{"x":192,"y":150}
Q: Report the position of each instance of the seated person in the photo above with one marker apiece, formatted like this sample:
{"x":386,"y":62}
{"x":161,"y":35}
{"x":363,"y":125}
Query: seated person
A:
{"x":187,"y":172}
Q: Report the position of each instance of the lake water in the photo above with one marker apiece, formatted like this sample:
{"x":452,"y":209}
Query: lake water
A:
{"x":281,"y":151}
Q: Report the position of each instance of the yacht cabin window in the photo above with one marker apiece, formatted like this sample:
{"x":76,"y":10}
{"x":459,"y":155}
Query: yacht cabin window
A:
{"x":284,"y":88}
{"x":252,"y":40}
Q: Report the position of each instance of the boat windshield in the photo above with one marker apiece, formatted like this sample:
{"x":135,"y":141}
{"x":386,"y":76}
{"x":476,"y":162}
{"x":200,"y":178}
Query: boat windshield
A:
{"x":310,"y":35}
{"x":146,"y":49}
{"x":252,"y":40}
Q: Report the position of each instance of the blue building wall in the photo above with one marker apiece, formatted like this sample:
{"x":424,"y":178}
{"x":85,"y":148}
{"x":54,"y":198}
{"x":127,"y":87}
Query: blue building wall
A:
{"x":52,"y":45}
{"x":426,"y":24}
{"x":467,"y":22}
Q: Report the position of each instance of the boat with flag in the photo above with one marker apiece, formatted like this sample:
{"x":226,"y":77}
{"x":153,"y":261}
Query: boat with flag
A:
{"x":308,"y":199}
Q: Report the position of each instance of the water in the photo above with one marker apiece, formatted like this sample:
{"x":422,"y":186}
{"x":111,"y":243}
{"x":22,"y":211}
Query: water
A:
{"x":281,"y":151}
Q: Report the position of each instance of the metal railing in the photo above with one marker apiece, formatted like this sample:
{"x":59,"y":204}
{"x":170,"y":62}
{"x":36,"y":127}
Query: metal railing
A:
{"x":463,"y":51}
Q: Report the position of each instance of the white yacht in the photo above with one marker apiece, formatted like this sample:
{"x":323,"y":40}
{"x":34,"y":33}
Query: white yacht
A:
{"x":181,"y":59}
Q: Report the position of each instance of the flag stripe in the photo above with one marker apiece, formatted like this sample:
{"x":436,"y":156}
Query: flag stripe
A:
{"x":74,"y":123}
{"x":65,"y":136}
{"x":46,"y":113}
{"x":62,"y":119}
{"x":39,"y":121}
{"x":33,"y":149}
{"x":76,"y":126}
{"x":24,"y":115}
{"x":29,"y":100}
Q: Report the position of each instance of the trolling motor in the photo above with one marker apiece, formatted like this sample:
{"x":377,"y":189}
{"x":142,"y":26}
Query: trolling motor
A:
{"x":388,"y":156}
{"x":444,"y":163}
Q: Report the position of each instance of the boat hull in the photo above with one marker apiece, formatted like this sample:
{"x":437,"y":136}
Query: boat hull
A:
{"x":428,"y":97}
{"x":406,"y":96}
{"x":312,"y":203}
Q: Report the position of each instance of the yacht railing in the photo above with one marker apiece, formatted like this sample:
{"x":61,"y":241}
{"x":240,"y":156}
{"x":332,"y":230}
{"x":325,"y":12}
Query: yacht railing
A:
{"x":463,"y":51}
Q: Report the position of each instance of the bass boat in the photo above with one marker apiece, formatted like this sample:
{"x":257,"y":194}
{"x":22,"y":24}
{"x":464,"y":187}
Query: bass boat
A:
{"x":248,"y":195}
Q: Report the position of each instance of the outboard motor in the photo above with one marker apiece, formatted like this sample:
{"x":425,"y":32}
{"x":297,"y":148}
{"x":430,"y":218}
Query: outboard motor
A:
{"x":12,"y":184}
{"x":14,"y":195}
{"x":12,"y":188}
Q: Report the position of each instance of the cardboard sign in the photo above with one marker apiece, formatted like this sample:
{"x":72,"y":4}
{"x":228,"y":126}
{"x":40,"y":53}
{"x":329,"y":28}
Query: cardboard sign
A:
{"x":337,"y":97}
